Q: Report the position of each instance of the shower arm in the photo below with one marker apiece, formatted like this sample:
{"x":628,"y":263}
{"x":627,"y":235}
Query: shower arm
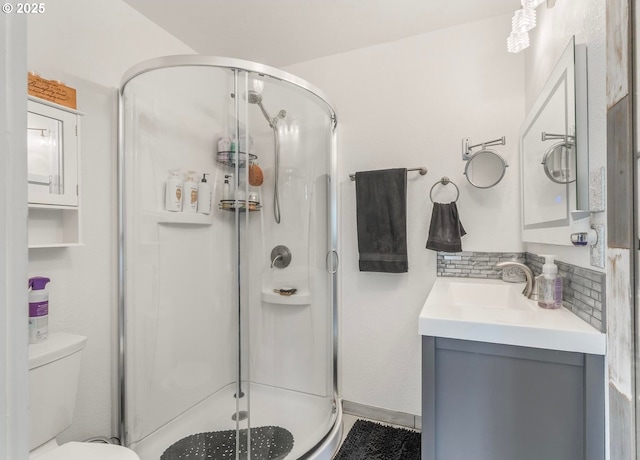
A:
{"x":266,"y":115}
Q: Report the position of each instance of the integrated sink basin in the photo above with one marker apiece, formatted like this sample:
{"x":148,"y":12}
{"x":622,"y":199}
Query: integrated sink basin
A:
{"x":484,"y":294}
{"x":494,"y":311}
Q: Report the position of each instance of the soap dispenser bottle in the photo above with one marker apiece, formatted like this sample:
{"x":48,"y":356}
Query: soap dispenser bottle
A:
{"x":204,"y":196}
{"x":549,"y":285}
{"x":226,"y":188}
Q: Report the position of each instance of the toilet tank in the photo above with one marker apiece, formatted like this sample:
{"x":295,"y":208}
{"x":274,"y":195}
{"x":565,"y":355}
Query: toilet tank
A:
{"x":54,"y":369}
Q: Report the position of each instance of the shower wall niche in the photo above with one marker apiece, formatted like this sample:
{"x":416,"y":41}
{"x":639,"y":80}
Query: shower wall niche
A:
{"x":210,"y":341}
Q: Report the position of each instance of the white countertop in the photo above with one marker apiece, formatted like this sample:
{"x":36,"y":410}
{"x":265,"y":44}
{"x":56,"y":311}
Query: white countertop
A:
{"x":496,"y":312}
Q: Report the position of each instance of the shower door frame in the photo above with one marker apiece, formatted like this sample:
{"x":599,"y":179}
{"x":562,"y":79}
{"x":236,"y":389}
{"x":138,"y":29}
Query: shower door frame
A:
{"x":332,"y":259}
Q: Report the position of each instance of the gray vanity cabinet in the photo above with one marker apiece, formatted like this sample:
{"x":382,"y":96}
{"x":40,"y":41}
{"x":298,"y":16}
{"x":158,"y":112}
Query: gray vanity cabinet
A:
{"x":486,"y":401}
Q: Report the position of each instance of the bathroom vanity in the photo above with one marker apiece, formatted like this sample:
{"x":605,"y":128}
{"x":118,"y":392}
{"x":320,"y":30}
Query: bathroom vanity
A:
{"x":505,"y":379}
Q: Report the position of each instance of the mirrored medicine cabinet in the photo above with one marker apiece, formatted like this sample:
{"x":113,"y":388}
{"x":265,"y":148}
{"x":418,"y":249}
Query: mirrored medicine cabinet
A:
{"x":53,"y":156}
{"x":554,"y":152}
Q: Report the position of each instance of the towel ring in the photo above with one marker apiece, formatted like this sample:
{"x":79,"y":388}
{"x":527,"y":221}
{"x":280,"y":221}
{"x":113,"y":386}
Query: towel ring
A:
{"x":444,"y":181}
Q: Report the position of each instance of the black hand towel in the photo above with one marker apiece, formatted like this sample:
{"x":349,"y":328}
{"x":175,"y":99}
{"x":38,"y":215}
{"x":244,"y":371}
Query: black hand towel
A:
{"x":381,"y":207}
{"x":446,"y":230}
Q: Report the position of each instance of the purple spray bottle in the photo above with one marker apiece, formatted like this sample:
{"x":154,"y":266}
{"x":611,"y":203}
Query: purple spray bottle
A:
{"x":38,"y":309}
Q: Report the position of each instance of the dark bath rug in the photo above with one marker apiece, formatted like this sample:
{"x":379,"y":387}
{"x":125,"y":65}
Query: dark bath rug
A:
{"x":372,"y":441}
{"x":267,"y":443}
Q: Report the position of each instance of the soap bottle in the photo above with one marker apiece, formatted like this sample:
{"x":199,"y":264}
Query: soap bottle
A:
{"x":226,"y":188}
{"x":38,"y":309}
{"x":204,"y":195}
{"x":173,"y":194}
{"x":190,"y":193}
{"x":549,"y":285}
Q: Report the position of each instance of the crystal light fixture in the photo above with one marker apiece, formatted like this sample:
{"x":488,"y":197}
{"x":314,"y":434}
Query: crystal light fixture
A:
{"x":531,"y":4}
{"x":524,"y":20}
{"x":517,"y":41}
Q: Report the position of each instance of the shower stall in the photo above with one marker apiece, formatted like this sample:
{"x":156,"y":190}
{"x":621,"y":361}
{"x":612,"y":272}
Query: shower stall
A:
{"x":227,"y":313}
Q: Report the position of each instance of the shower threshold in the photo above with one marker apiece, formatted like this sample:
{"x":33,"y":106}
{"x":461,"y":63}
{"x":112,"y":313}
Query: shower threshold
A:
{"x":306,"y":416}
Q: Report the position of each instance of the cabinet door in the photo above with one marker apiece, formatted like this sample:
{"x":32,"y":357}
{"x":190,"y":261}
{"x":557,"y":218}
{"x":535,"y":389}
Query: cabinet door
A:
{"x":52,"y":155}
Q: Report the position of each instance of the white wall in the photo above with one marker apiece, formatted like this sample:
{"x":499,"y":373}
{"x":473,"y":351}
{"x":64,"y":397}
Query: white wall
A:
{"x":406,"y":104}
{"x":586,"y":20}
{"x":90,"y":47}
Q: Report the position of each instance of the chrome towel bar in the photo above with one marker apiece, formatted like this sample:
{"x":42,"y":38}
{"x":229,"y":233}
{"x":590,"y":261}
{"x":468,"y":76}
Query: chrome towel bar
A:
{"x":421,"y":169}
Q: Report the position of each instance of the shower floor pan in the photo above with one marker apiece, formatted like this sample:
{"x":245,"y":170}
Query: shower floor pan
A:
{"x":304,"y":415}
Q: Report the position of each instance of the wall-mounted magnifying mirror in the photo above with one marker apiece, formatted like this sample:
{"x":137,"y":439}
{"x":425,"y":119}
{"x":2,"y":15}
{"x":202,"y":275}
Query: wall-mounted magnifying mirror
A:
{"x":485,"y":168}
{"x":559,"y":162}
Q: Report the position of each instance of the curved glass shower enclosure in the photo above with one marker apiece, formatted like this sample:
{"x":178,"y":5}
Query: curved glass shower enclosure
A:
{"x":227,"y":310}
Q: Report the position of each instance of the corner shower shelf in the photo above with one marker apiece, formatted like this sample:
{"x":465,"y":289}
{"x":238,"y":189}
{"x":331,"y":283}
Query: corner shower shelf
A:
{"x":232,"y":205}
{"x":299,"y":298}
{"x":227,"y":158}
{"x":193,"y":218}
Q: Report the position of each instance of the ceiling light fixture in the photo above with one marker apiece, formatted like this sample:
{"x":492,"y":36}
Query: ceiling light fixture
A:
{"x":522,"y":22}
{"x":531,"y":4}
{"x":517,"y":41}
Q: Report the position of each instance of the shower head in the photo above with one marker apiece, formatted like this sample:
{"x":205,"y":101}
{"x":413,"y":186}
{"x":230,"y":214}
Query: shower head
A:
{"x":254,"y":97}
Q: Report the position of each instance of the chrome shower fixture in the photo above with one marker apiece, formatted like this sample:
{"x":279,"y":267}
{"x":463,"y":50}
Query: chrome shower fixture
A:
{"x":254,"y":97}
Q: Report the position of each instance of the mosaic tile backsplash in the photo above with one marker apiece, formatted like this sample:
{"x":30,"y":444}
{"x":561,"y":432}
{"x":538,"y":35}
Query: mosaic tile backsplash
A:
{"x":583,"y":290}
{"x":476,"y":264}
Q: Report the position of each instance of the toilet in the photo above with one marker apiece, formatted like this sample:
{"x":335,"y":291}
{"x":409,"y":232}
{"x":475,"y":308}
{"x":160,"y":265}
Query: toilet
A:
{"x":54,"y":369}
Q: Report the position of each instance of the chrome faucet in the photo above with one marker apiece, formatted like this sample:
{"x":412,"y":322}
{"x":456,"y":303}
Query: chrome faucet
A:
{"x":530,"y":290}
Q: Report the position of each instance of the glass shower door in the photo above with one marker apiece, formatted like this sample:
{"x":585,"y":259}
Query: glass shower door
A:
{"x":290,"y":327}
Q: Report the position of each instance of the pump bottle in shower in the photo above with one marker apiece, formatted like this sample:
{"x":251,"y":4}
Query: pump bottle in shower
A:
{"x":204,"y":196}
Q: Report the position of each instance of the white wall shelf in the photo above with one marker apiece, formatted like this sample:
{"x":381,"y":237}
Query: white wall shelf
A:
{"x":54,"y":226}
{"x":299,"y":298}
{"x":167,"y":217}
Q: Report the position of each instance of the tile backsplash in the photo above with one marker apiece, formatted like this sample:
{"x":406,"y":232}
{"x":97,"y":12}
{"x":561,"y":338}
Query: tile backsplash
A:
{"x":584,"y":289}
{"x":475,"y":264}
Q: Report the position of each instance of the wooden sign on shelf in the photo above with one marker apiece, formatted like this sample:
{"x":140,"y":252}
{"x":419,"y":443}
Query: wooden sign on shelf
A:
{"x":51,"y":90}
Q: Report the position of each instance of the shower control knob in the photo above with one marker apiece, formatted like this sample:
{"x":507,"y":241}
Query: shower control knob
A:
{"x":280,"y":257}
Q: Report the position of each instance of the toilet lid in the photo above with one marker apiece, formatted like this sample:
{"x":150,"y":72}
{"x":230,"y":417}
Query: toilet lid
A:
{"x":89,"y":451}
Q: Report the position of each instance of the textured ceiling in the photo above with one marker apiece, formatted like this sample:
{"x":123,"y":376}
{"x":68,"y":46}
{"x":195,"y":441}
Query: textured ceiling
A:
{"x":283,"y":32}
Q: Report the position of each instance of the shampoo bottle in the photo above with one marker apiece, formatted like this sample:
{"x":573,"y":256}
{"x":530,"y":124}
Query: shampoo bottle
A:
{"x":204,"y":196}
{"x":190,"y":193}
{"x":38,"y":309}
{"x":549,"y":285}
{"x":173,"y":195}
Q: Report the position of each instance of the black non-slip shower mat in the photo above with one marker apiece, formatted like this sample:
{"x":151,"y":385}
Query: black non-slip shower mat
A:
{"x":372,"y":441}
{"x":267,"y":443}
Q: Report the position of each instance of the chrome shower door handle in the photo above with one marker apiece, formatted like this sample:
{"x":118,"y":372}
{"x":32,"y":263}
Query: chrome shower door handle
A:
{"x":332,"y":266}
